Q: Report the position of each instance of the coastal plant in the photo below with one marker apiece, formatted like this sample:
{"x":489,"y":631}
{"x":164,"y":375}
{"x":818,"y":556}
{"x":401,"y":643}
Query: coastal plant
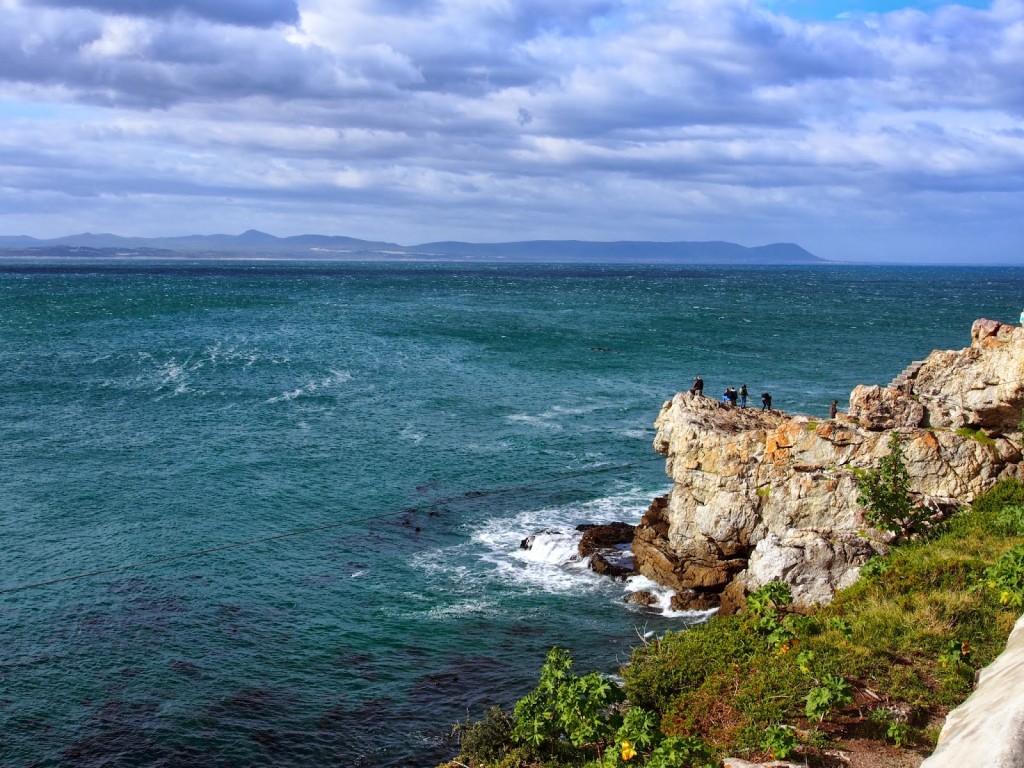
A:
{"x":767,"y":600}
{"x":874,"y":567}
{"x":831,"y":692}
{"x":567,"y":712}
{"x":684,"y":752}
{"x":638,"y":734}
{"x":840,"y":626}
{"x":780,"y":741}
{"x":955,"y":652}
{"x":679,"y":663}
{"x":1005,"y":493}
{"x":976,"y":434}
{"x":487,"y":740}
{"x":890,"y":726}
{"x":1006,"y":578}
{"x":1010,"y":520}
{"x":885,"y":493}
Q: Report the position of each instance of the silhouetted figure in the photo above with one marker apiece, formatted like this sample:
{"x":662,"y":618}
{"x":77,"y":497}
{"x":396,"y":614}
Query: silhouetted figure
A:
{"x":698,"y":386}
{"x":732,"y":395}
{"x":833,"y":408}
{"x":743,"y":396}
{"x":766,"y":401}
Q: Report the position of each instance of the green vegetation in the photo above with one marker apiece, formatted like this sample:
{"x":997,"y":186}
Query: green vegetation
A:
{"x":884,"y":661}
{"x":885,"y":494}
{"x":977,"y":435}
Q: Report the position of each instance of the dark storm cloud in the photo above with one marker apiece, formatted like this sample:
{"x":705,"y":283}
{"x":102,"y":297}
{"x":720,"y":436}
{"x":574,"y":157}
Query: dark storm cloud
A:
{"x":251,"y":13}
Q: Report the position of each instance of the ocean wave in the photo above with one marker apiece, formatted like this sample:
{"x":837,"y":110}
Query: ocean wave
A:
{"x":537,"y":550}
{"x":313,"y":387}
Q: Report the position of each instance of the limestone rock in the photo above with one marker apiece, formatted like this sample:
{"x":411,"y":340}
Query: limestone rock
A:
{"x":988,"y":728}
{"x":980,"y":386}
{"x":878,"y":408}
{"x":759,"y":495}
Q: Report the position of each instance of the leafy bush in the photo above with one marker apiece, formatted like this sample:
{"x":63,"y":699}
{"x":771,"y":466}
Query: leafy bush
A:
{"x":680,"y":662}
{"x":885,"y":493}
{"x":1010,"y":520}
{"x":831,"y":692}
{"x":780,"y":741}
{"x":567,"y":708}
{"x":679,"y":752}
{"x":1006,"y":577}
{"x":1003,"y":494}
{"x":487,"y":740}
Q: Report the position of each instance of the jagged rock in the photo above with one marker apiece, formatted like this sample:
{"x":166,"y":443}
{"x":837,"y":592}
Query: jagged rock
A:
{"x":607,"y":546}
{"x":762,"y":495}
{"x":692,"y":600}
{"x":877,"y":408}
{"x":980,"y":386}
{"x":642,"y":597}
{"x":605,"y":536}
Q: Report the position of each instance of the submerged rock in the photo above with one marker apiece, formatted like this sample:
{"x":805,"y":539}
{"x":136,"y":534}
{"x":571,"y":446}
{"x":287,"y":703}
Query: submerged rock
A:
{"x":762,"y":495}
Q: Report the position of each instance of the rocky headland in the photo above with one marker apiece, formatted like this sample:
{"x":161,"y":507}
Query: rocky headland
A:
{"x":765,"y":495}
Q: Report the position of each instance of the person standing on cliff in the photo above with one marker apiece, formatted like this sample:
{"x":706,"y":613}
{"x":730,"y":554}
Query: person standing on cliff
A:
{"x":766,"y":401}
{"x":698,"y":386}
{"x":833,"y":408}
{"x":743,"y":396}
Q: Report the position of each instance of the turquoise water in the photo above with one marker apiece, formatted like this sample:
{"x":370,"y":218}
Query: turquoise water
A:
{"x":410,"y":424}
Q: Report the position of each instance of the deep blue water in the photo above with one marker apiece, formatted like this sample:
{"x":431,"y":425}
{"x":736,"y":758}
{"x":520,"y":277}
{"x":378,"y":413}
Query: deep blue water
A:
{"x":409,"y":424}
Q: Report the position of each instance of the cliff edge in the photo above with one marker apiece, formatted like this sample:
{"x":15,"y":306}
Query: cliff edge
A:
{"x":763,"y":495}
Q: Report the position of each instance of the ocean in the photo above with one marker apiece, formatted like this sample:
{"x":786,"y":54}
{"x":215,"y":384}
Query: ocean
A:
{"x":264,"y":513}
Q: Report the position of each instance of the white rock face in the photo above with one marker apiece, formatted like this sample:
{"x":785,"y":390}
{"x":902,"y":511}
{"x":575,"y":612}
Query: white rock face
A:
{"x":760,"y":495}
{"x":988,"y":729}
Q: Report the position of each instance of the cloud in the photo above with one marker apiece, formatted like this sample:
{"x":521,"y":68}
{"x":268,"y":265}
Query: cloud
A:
{"x":433,"y":119}
{"x":248,"y":13}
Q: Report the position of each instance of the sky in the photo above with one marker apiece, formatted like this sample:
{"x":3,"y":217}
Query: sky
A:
{"x":859,"y":129}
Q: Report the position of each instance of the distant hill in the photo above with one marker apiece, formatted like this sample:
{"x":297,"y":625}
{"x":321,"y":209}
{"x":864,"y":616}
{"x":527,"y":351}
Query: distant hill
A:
{"x":259,"y":244}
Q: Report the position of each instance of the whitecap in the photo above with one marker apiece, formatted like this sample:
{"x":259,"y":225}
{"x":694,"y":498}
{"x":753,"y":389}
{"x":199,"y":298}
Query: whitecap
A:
{"x":664,"y":599}
{"x":636,"y":434}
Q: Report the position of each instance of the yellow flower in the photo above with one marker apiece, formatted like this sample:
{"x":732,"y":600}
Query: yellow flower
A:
{"x":628,"y":753}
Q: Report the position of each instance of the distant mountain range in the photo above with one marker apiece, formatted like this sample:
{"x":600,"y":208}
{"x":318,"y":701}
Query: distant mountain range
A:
{"x":257,"y":244}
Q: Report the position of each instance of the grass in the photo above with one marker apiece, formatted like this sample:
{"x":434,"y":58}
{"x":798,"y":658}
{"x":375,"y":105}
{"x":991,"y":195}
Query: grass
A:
{"x":977,"y":435}
{"x":903,"y":642}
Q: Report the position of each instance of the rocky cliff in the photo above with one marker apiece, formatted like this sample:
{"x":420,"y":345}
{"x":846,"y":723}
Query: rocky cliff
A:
{"x":761,"y":495}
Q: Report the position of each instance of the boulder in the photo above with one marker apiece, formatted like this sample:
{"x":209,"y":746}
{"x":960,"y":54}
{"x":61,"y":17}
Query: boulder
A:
{"x":988,"y":728}
{"x":878,"y":408}
{"x":607,"y":546}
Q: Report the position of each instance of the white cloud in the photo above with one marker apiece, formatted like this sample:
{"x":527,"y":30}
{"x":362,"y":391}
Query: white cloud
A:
{"x":511,"y":119}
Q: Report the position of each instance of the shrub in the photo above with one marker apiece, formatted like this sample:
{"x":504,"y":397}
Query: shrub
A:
{"x":1010,"y":520}
{"x":780,"y":741}
{"x":680,"y":662}
{"x":831,"y":692}
{"x":567,"y":708}
{"x":885,"y":493}
{"x":487,"y":740}
{"x":1002,"y":494}
{"x":1006,"y":577}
